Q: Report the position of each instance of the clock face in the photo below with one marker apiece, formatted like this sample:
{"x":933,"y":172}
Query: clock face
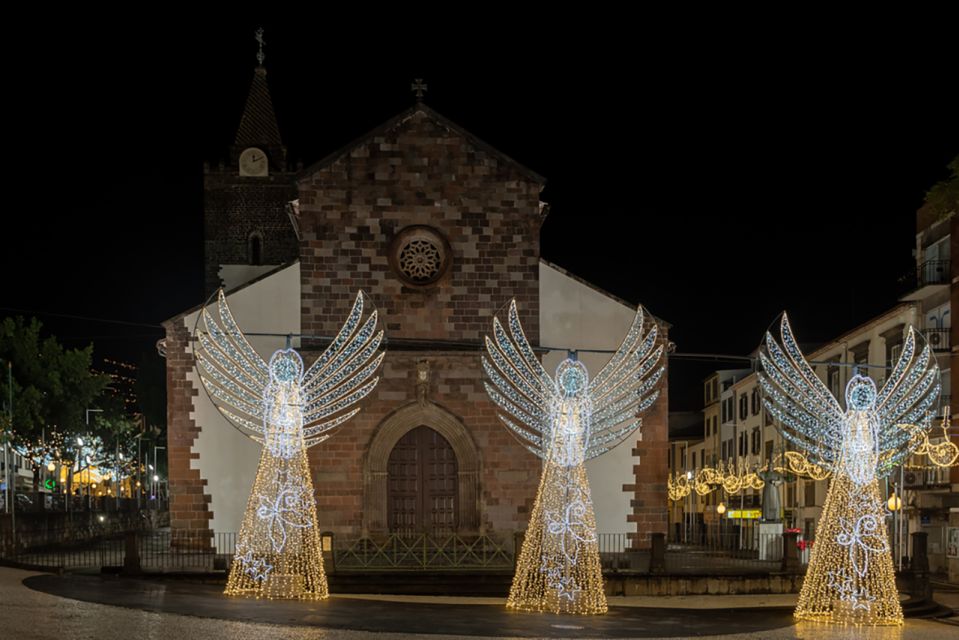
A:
{"x":253,"y":162}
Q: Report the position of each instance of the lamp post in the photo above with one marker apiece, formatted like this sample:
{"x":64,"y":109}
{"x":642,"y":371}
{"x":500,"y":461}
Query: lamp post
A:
{"x":7,"y":500}
{"x":156,"y":471}
{"x":10,"y":498}
{"x":89,"y":463}
{"x":721,"y":510}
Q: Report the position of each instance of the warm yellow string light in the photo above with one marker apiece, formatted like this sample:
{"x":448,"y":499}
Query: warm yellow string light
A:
{"x":569,"y":559}
{"x":280,"y":554}
{"x":850,"y":578}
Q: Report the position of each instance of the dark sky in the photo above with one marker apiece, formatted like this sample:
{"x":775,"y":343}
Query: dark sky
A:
{"x":716,"y":178}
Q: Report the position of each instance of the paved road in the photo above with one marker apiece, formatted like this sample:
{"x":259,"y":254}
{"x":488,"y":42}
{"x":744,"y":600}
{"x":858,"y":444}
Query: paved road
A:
{"x":26,"y":614}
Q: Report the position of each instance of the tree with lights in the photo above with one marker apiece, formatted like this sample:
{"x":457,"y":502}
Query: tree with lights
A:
{"x":850,"y":578}
{"x":287,"y":410}
{"x":52,"y":388}
{"x":567,"y":420}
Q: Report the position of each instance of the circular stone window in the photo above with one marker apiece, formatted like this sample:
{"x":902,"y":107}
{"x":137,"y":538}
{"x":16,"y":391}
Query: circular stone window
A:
{"x":419,"y":255}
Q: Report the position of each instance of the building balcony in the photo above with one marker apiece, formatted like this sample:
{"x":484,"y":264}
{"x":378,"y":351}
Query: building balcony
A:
{"x":939,"y":339}
{"x":928,"y":278}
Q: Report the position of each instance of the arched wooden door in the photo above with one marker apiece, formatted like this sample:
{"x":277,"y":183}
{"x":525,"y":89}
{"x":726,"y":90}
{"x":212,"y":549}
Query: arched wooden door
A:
{"x":422,"y":484}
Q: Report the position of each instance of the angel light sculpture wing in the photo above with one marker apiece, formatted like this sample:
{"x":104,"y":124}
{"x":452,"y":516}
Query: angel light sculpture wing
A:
{"x":850,"y":577}
{"x":566,"y":420}
{"x":286,"y":409}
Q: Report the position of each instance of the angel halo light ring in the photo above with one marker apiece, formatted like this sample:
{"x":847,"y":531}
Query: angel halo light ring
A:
{"x":850,"y":578}
{"x":287,"y":408}
{"x":566,"y":420}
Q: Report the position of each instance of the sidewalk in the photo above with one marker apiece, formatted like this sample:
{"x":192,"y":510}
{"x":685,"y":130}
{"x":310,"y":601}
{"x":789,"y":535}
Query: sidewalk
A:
{"x":111,"y":608}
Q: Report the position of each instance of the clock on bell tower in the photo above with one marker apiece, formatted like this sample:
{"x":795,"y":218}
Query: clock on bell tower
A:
{"x":254,"y":163}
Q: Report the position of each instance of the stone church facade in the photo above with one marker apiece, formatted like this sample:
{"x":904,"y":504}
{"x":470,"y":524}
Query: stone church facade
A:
{"x":441,"y":231}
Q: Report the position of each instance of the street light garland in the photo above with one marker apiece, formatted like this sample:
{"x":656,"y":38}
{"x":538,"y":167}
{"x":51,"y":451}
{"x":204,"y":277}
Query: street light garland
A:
{"x":287,"y":410}
{"x":850,"y":578}
{"x":565,"y":420}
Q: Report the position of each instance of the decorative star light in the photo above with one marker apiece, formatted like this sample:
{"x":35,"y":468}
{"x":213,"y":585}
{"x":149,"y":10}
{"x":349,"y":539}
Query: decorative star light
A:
{"x":256,"y":568}
{"x":877,"y":431}
{"x":286,"y":409}
{"x":565,"y":420}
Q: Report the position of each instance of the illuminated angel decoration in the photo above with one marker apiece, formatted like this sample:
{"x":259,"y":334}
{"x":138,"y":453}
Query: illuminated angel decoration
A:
{"x":287,"y":409}
{"x":857,"y":446}
{"x":567,"y":420}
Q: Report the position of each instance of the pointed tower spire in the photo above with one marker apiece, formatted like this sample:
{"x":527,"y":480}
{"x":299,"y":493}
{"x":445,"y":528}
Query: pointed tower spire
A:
{"x":258,"y":123}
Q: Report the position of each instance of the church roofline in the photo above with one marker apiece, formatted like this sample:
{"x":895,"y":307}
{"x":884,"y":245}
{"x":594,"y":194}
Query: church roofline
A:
{"x":600,"y":290}
{"x":442,"y":120}
{"x":230,"y":292}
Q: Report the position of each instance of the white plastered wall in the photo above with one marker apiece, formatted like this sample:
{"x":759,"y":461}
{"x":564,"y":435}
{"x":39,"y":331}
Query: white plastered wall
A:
{"x":227,"y":458}
{"x":573,"y":314}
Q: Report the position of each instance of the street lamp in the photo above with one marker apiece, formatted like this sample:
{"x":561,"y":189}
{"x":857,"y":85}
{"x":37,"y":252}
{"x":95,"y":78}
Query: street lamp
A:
{"x":894,"y":503}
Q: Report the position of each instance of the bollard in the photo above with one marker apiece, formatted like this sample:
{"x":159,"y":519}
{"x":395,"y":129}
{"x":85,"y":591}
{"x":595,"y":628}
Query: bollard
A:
{"x":920,"y":587}
{"x":791,"y":552}
{"x":131,"y":557}
{"x":657,"y":555}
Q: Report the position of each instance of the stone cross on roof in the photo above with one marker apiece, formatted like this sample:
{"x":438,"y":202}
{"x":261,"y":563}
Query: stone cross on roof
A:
{"x":419,"y":89}
{"x":260,"y":56}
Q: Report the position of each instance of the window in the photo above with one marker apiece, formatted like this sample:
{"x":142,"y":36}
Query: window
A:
{"x":810,"y":496}
{"x":757,"y":441}
{"x":702,"y":458}
{"x":834,"y":381}
{"x":724,"y":456}
{"x":769,"y":450}
{"x":256,"y":248}
{"x":743,"y":443}
{"x":743,"y":407}
{"x":756,"y":403}
{"x":894,"y":352}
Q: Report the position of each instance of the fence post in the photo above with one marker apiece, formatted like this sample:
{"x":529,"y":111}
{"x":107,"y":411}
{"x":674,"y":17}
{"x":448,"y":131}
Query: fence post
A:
{"x":657,"y":553}
{"x":790,"y":551}
{"x":131,"y":556}
{"x":518,"y":538}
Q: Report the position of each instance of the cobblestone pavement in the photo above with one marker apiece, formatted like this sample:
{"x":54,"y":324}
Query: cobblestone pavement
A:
{"x":26,"y":614}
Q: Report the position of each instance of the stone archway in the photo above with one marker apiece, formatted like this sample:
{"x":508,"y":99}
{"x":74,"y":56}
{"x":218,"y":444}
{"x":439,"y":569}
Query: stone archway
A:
{"x":389,"y":432}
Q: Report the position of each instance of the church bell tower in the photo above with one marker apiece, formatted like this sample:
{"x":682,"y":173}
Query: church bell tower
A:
{"x":247,"y":230}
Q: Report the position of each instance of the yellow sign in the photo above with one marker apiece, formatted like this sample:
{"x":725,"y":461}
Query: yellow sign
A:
{"x":744,"y":514}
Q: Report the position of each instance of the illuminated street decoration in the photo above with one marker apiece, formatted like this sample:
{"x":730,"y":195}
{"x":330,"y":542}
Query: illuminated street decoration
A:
{"x":567,"y":420}
{"x":287,"y":410}
{"x":796,"y":463}
{"x":731,"y":477}
{"x":850,"y":577}
{"x":940,"y":454}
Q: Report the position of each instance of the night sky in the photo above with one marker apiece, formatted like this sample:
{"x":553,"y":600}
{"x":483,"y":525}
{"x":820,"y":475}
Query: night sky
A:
{"x":716,"y":179}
